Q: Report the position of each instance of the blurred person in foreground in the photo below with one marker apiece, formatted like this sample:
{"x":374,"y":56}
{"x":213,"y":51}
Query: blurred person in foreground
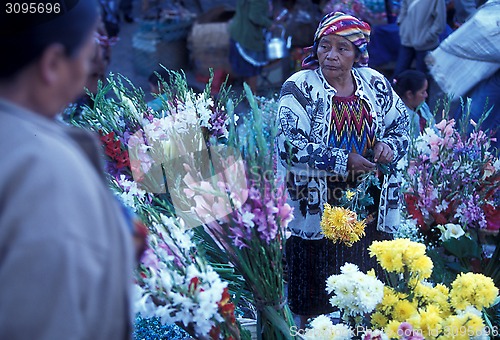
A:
{"x":337,"y":119}
{"x":65,"y":248}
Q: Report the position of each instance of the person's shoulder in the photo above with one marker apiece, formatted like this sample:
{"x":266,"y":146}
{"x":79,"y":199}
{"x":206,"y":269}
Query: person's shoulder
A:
{"x":46,"y":152}
{"x":368,"y":73}
{"x":302,"y":75}
{"x":373,"y":77}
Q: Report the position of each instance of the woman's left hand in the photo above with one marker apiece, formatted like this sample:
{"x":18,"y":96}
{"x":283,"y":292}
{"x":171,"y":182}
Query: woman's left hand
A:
{"x":383,"y":153}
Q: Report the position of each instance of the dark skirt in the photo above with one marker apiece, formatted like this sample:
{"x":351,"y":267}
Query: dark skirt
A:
{"x":242,"y":67}
{"x":311,"y":262}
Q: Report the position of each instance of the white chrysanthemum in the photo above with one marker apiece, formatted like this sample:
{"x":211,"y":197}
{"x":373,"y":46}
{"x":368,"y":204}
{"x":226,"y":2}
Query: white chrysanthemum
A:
{"x":331,"y":283}
{"x":341,"y":332}
{"x":349,"y":268}
{"x":321,"y":328}
{"x":355,"y":292}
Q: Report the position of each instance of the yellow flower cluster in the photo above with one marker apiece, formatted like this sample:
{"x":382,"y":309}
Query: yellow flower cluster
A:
{"x":402,"y":256}
{"x":473,"y":289}
{"x":341,"y":225}
{"x":435,"y":312}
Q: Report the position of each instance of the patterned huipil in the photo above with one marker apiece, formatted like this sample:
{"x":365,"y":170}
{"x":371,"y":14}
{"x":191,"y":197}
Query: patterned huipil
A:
{"x":311,"y":158}
{"x":352,"y":129}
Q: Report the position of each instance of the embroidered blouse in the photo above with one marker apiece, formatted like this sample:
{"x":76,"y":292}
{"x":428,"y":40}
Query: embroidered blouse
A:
{"x":308,"y":156}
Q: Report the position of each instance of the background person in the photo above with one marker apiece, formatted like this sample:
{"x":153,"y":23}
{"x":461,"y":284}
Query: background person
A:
{"x":65,"y":248}
{"x":411,"y":86}
{"x":331,"y":116}
{"x":247,"y":52}
{"x":420,"y":24}
{"x":467,"y":64}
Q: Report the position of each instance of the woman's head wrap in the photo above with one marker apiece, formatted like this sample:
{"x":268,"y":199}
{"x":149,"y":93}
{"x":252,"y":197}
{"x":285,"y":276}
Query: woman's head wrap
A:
{"x":347,"y":26}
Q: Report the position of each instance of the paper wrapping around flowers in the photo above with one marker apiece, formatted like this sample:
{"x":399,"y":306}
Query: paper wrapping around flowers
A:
{"x":341,"y":225}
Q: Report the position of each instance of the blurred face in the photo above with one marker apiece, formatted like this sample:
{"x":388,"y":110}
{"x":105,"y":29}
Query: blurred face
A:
{"x":77,"y":69}
{"x":413,"y":100}
{"x":336,"y":56}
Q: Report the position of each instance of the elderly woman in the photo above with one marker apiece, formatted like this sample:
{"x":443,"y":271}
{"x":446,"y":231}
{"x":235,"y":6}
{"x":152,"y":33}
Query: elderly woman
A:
{"x":332,"y":117}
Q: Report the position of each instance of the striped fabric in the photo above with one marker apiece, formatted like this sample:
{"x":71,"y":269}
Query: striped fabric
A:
{"x":347,"y":26}
{"x":351,"y":127}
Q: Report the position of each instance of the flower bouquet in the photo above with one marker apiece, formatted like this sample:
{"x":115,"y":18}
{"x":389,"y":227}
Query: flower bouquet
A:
{"x":175,"y":280}
{"x":215,"y":183}
{"x":412,"y":306}
{"x":176,"y":284}
{"x":452,"y":182}
{"x":243,"y":207}
{"x":356,"y":294}
{"x":341,"y":225}
{"x":408,"y":306}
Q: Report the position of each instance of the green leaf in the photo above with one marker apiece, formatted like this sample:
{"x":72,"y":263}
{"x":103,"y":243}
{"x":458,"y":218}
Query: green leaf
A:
{"x":462,"y":247}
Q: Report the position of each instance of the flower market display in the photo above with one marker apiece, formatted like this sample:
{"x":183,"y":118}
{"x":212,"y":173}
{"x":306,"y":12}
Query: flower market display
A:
{"x":209,"y":196}
{"x":433,"y":311}
{"x":409,"y":306}
{"x":216,"y":210}
{"x":452,"y":194}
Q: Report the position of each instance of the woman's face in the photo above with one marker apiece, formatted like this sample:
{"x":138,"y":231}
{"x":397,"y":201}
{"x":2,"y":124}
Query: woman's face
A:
{"x":336,"y":56}
{"x":413,"y":100}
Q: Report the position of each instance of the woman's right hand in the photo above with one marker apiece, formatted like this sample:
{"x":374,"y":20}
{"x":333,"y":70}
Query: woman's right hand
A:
{"x":359,"y":164}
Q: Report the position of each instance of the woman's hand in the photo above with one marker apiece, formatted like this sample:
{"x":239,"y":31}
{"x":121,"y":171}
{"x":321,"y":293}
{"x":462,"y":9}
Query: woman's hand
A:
{"x":382,"y":153}
{"x":359,"y":164}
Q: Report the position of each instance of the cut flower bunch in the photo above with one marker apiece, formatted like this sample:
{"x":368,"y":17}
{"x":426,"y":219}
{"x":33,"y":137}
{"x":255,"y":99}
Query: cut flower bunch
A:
{"x":408,"y":306}
{"x":205,"y":190}
{"x":433,"y":311}
{"x":452,"y":177}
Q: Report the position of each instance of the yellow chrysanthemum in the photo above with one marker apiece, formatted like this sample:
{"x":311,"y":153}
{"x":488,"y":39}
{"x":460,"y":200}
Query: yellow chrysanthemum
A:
{"x":392,"y":329}
{"x":463,"y":326}
{"x":402,"y":254}
{"x":403,"y":310}
{"x":350,"y":194}
{"x":379,"y":320}
{"x":341,"y":225}
{"x":473,"y":289}
{"x":389,"y":300}
{"x":430,"y":321}
{"x":423,"y":266}
{"x":413,"y":251}
{"x":475,"y":324}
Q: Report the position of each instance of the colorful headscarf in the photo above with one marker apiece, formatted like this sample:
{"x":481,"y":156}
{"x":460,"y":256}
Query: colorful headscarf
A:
{"x":347,"y":26}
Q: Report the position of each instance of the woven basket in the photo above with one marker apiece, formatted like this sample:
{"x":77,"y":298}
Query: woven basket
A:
{"x":208,"y":45}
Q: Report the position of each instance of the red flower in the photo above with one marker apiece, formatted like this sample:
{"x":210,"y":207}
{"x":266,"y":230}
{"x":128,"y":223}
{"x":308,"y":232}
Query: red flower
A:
{"x":492,"y":217}
{"x":109,"y":138}
{"x":412,"y":206}
{"x":226,"y":308}
{"x":122,"y":160}
{"x":113,"y":149}
{"x":214,"y":333}
{"x":193,"y":284}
